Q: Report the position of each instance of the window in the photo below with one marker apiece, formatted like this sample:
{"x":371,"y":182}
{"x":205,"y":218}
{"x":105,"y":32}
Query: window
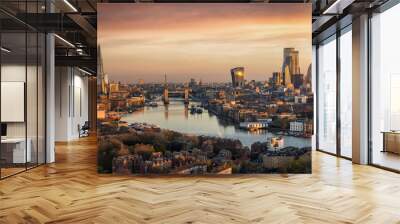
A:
{"x":385,"y":89}
{"x":22,"y":92}
{"x":326,"y":98}
{"x":346,"y":93}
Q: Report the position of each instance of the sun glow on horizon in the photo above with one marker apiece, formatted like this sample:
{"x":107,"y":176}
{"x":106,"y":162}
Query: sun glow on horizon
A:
{"x":201,"y":41}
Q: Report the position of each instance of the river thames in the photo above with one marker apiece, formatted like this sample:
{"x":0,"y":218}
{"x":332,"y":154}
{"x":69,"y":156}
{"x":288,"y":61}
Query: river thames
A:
{"x":177,"y":117}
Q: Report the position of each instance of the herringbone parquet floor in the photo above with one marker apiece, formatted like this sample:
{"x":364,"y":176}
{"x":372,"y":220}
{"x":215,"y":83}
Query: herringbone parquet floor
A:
{"x":70,"y":191}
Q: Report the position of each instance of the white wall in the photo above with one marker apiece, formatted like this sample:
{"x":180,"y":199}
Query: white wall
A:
{"x":33,"y":127}
{"x":16,"y":73}
{"x":71,"y":103}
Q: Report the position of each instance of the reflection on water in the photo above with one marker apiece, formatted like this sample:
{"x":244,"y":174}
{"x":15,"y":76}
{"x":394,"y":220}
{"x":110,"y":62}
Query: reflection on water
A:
{"x":176,"y":116}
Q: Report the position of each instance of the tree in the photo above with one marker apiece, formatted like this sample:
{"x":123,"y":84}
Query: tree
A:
{"x":107,"y":150}
{"x":175,"y":145}
{"x":144,"y":150}
{"x":130,"y":140}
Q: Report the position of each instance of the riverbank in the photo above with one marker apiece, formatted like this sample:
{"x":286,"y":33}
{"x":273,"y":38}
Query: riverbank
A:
{"x":177,"y":117}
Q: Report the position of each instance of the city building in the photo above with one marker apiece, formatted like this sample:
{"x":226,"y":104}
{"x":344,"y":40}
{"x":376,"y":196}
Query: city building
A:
{"x":291,"y":59}
{"x":277,"y":78}
{"x":114,"y":87}
{"x":192,"y":83}
{"x":308,"y":78}
{"x":300,"y":99}
{"x":237,"y":75}
{"x":287,"y":76}
{"x":298,"y":80}
{"x":102,"y":79}
{"x":301,"y":126}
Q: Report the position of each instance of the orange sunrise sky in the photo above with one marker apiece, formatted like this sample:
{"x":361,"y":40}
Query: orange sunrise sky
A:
{"x":201,"y":41}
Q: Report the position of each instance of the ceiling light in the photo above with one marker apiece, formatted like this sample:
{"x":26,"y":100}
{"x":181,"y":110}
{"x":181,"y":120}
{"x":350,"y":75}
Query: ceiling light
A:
{"x":64,"y":40}
{"x":337,"y":7}
{"x":70,"y":5}
{"x":84,"y":71}
{"x":5,"y":50}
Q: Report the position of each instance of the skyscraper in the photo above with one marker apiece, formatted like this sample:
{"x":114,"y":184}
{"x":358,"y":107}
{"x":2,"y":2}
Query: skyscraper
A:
{"x":298,"y":80}
{"x":102,"y":80}
{"x":277,"y":78}
{"x":308,"y":80}
{"x":291,"y":59}
{"x":287,"y":76}
{"x":237,"y":76}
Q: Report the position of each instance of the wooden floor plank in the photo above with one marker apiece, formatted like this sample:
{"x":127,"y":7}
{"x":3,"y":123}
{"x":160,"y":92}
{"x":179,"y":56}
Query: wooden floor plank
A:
{"x":71,"y":191}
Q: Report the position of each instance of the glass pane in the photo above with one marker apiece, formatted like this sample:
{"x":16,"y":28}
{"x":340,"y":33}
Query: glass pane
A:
{"x":13,"y":86}
{"x":385,"y":84}
{"x":31,"y":97}
{"x":346,"y":94}
{"x":327,"y":96}
{"x":313,"y":87}
{"x":41,"y":98}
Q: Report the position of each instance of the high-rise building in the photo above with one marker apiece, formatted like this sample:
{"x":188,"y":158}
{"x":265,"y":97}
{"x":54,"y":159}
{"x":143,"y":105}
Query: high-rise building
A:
{"x":298,"y":80}
{"x":291,"y":59}
{"x":102,"y":80}
{"x":277,"y":78}
{"x":287,"y":77}
{"x":237,"y":76}
{"x":308,"y":77}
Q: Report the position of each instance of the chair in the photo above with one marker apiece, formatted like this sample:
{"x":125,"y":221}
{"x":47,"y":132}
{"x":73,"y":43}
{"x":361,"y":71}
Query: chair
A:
{"x":84,"y":130}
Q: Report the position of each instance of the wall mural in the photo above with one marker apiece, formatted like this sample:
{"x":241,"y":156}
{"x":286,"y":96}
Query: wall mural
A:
{"x":204,"y":88}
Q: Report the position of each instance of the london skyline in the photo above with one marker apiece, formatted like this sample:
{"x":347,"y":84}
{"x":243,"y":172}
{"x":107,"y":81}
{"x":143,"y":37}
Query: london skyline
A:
{"x":201,"y":41}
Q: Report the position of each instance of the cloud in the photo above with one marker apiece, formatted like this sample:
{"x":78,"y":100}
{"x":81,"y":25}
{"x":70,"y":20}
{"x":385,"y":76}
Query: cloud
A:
{"x":182,"y":38}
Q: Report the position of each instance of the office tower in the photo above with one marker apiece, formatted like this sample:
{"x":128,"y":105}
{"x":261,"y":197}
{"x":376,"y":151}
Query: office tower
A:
{"x":295,"y":68}
{"x":308,"y":77}
{"x":298,"y":80}
{"x":237,"y":76}
{"x":287,"y":76}
{"x":291,"y":59}
{"x":102,"y":80}
{"x":277,"y":78}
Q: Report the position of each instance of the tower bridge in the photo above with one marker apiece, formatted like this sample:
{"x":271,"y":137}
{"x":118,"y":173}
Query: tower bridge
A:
{"x":184,"y":93}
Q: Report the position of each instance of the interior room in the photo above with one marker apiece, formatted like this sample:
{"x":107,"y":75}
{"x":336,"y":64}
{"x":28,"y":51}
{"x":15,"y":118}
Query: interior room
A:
{"x":51,"y":72}
{"x":385,"y":87}
{"x":37,"y":109}
{"x":22,"y":100}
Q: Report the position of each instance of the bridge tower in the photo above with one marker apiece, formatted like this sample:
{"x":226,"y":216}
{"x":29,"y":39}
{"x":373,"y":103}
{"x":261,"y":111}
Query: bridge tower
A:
{"x":165,"y":93}
{"x":186,"y":91}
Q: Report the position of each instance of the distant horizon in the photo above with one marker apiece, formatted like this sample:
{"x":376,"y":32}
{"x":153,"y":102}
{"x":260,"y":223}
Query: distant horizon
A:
{"x":200,"y":41}
{"x":179,"y":82}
